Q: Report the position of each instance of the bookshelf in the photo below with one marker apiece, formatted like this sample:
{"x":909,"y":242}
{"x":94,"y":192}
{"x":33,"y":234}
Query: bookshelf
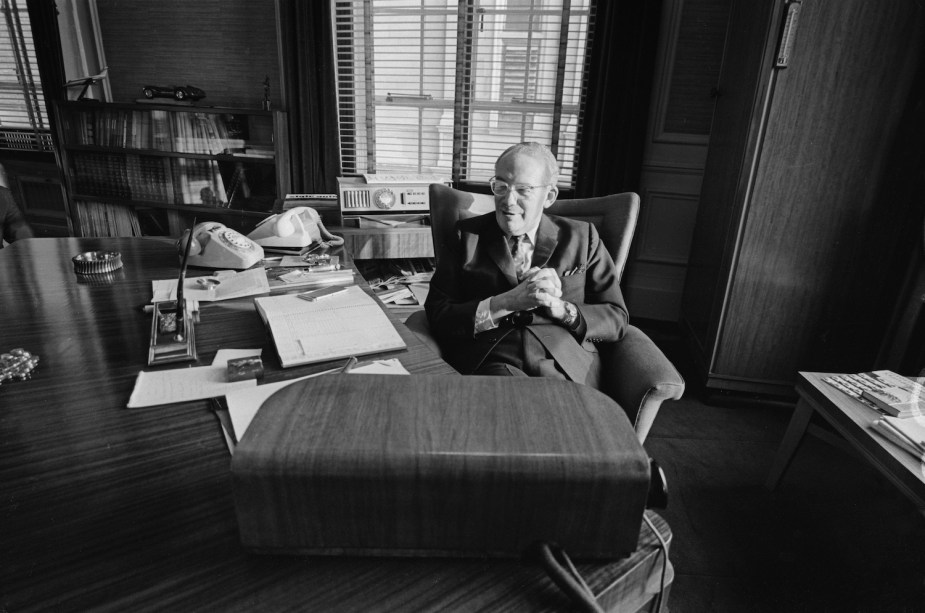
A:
{"x":148,"y":168}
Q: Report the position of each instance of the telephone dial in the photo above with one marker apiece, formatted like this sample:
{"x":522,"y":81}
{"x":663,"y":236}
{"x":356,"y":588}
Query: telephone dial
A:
{"x":296,"y":228}
{"x":216,"y":246}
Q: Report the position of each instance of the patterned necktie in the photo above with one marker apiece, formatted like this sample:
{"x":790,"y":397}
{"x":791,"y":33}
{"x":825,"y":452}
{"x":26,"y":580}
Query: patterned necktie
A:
{"x":519,"y":253}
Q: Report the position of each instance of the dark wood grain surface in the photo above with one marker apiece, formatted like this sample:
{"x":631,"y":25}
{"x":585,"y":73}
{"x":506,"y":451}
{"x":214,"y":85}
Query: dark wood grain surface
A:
{"x":456,"y":465}
{"x":106,"y":508}
{"x":815,"y":246}
{"x":799,"y":232}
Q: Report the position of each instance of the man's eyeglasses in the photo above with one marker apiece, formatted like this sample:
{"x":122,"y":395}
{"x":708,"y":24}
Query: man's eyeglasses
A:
{"x":502,"y":188}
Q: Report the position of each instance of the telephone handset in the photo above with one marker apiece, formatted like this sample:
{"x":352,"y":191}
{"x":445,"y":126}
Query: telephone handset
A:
{"x":298,"y":227}
{"x":216,"y":246}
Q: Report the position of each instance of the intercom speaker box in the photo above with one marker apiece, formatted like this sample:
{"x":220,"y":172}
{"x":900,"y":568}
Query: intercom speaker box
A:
{"x":401,"y":198}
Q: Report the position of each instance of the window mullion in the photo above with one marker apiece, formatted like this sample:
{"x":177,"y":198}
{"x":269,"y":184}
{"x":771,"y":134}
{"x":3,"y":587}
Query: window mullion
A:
{"x":531,"y":21}
{"x":462,"y":98}
{"x":560,"y":76}
{"x":17,"y":42}
{"x":369,"y":77}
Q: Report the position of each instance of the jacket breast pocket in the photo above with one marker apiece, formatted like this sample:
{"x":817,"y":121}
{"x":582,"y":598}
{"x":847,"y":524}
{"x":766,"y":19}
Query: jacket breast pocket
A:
{"x":573,"y":287}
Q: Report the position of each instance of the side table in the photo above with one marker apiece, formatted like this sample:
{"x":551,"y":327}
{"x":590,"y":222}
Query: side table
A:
{"x":852,"y":420}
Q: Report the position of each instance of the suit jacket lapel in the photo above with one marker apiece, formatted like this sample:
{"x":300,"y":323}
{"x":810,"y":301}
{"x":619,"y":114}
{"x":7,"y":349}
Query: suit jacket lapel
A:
{"x":547,"y":237}
{"x":495,"y":244}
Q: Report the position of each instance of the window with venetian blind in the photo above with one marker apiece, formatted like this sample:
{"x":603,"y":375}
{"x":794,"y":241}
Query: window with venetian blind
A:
{"x":443,"y":87}
{"x":23,"y":118}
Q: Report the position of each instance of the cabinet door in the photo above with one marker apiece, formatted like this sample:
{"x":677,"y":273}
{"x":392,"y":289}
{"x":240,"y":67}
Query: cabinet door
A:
{"x":734,"y":138}
{"x":796,"y":231}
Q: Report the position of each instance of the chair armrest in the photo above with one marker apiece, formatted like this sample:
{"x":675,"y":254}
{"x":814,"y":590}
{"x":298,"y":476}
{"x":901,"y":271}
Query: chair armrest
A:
{"x":639,"y":377}
{"x":417,"y":323}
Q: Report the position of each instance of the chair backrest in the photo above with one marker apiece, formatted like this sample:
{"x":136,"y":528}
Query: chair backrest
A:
{"x":614,"y":216}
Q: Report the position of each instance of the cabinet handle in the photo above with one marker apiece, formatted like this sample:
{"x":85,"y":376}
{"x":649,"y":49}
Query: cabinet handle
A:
{"x":788,"y":32}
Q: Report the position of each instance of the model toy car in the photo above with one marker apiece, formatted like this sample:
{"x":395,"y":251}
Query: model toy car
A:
{"x":178,"y":92}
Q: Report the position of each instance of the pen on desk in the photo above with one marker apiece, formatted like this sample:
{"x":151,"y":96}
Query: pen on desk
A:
{"x":319,"y":294}
{"x":897,"y":432}
{"x":350,"y":364}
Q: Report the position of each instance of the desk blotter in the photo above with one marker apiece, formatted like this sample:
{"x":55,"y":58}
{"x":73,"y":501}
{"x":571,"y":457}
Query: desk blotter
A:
{"x":439,"y":465}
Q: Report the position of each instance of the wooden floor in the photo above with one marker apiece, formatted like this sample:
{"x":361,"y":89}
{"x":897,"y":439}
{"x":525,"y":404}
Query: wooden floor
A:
{"x":834,"y":536}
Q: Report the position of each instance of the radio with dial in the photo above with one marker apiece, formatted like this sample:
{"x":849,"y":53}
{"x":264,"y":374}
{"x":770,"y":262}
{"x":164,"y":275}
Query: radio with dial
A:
{"x":386,"y":194}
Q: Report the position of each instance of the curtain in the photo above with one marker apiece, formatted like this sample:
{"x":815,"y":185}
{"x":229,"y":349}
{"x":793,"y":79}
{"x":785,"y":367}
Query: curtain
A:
{"x":307,"y":65}
{"x":43,"y":17}
{"x":622,"y":64}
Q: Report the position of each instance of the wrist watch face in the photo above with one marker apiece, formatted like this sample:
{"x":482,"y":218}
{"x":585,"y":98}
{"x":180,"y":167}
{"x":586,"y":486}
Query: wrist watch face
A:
{"x":571,"y":312}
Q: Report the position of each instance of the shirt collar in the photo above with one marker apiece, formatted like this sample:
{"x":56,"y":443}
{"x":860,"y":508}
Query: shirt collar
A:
{"x":531,"y":234}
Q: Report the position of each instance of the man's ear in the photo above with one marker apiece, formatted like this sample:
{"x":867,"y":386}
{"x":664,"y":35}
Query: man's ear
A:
{"x":551,"y":196}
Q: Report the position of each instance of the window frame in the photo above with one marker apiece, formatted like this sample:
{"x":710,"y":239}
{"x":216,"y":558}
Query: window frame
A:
{"x":360,"y":157}
{"x":37,"y":136}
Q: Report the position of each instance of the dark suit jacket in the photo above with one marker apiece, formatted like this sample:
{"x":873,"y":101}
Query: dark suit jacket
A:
{"x":480,"y":265}
{"x":13,"y":225}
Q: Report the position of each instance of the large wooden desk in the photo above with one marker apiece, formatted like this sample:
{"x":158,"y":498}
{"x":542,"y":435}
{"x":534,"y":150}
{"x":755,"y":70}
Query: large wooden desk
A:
{"x":106,"y":508}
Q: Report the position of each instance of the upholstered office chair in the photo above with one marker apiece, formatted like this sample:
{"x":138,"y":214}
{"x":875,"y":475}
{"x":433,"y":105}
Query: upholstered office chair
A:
{"x":639,"y":377}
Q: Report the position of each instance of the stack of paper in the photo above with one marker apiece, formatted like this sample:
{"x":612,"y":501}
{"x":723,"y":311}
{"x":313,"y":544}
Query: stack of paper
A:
{"x":346,"y":324}
{"x":223,"y":285}
{"x":904,"y":400}
{"x":906,"y":433}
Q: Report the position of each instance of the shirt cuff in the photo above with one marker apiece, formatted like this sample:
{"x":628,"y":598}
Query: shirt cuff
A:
{"x":483,"y":320}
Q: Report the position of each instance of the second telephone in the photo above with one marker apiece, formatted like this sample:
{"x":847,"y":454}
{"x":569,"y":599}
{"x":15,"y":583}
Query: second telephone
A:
{"x":215,"y":246}
{"x":298,"y":227}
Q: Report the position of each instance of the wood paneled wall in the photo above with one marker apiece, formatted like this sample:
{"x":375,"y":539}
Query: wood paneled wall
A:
{"x":225,"y":47}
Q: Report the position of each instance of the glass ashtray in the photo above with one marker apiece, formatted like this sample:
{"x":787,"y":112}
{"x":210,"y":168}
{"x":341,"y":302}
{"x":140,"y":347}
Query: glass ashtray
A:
{"x":95,"y":262}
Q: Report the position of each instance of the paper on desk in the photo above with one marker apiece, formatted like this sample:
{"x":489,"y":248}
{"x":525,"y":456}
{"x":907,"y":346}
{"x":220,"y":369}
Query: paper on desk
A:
{"x":223,"y":355}
{"x":290,"y":261}
{"x":158,"y":387}
{"x":244,"y":404}
{"x":249,"y":282}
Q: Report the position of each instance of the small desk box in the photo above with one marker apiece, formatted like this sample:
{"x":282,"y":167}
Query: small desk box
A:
{"x":428,"y":465}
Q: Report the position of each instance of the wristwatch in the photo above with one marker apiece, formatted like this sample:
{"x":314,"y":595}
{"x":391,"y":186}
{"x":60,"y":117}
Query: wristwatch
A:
{"x":571,"y":315}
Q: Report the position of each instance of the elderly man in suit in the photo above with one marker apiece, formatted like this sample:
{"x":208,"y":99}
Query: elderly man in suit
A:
{"x":522,"y":292}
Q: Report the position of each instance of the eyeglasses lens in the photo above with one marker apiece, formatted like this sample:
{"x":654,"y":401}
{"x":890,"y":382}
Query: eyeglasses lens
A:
{"x":500,"y":188}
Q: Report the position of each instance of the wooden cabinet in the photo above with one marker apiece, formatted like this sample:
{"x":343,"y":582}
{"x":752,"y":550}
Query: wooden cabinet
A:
{"x":798,"y":235}
{"x":149,"y":168}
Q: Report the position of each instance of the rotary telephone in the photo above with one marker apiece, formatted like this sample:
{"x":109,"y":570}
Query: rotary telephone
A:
{"x":215,"y":246}
{"x":296,"y":228}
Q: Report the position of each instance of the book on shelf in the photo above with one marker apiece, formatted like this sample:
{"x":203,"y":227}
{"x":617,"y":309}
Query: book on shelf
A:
{"x":104,"y":219}
{"x":199,"y":182}
{"x":350,"y":323}
{"x":884,"y":390}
